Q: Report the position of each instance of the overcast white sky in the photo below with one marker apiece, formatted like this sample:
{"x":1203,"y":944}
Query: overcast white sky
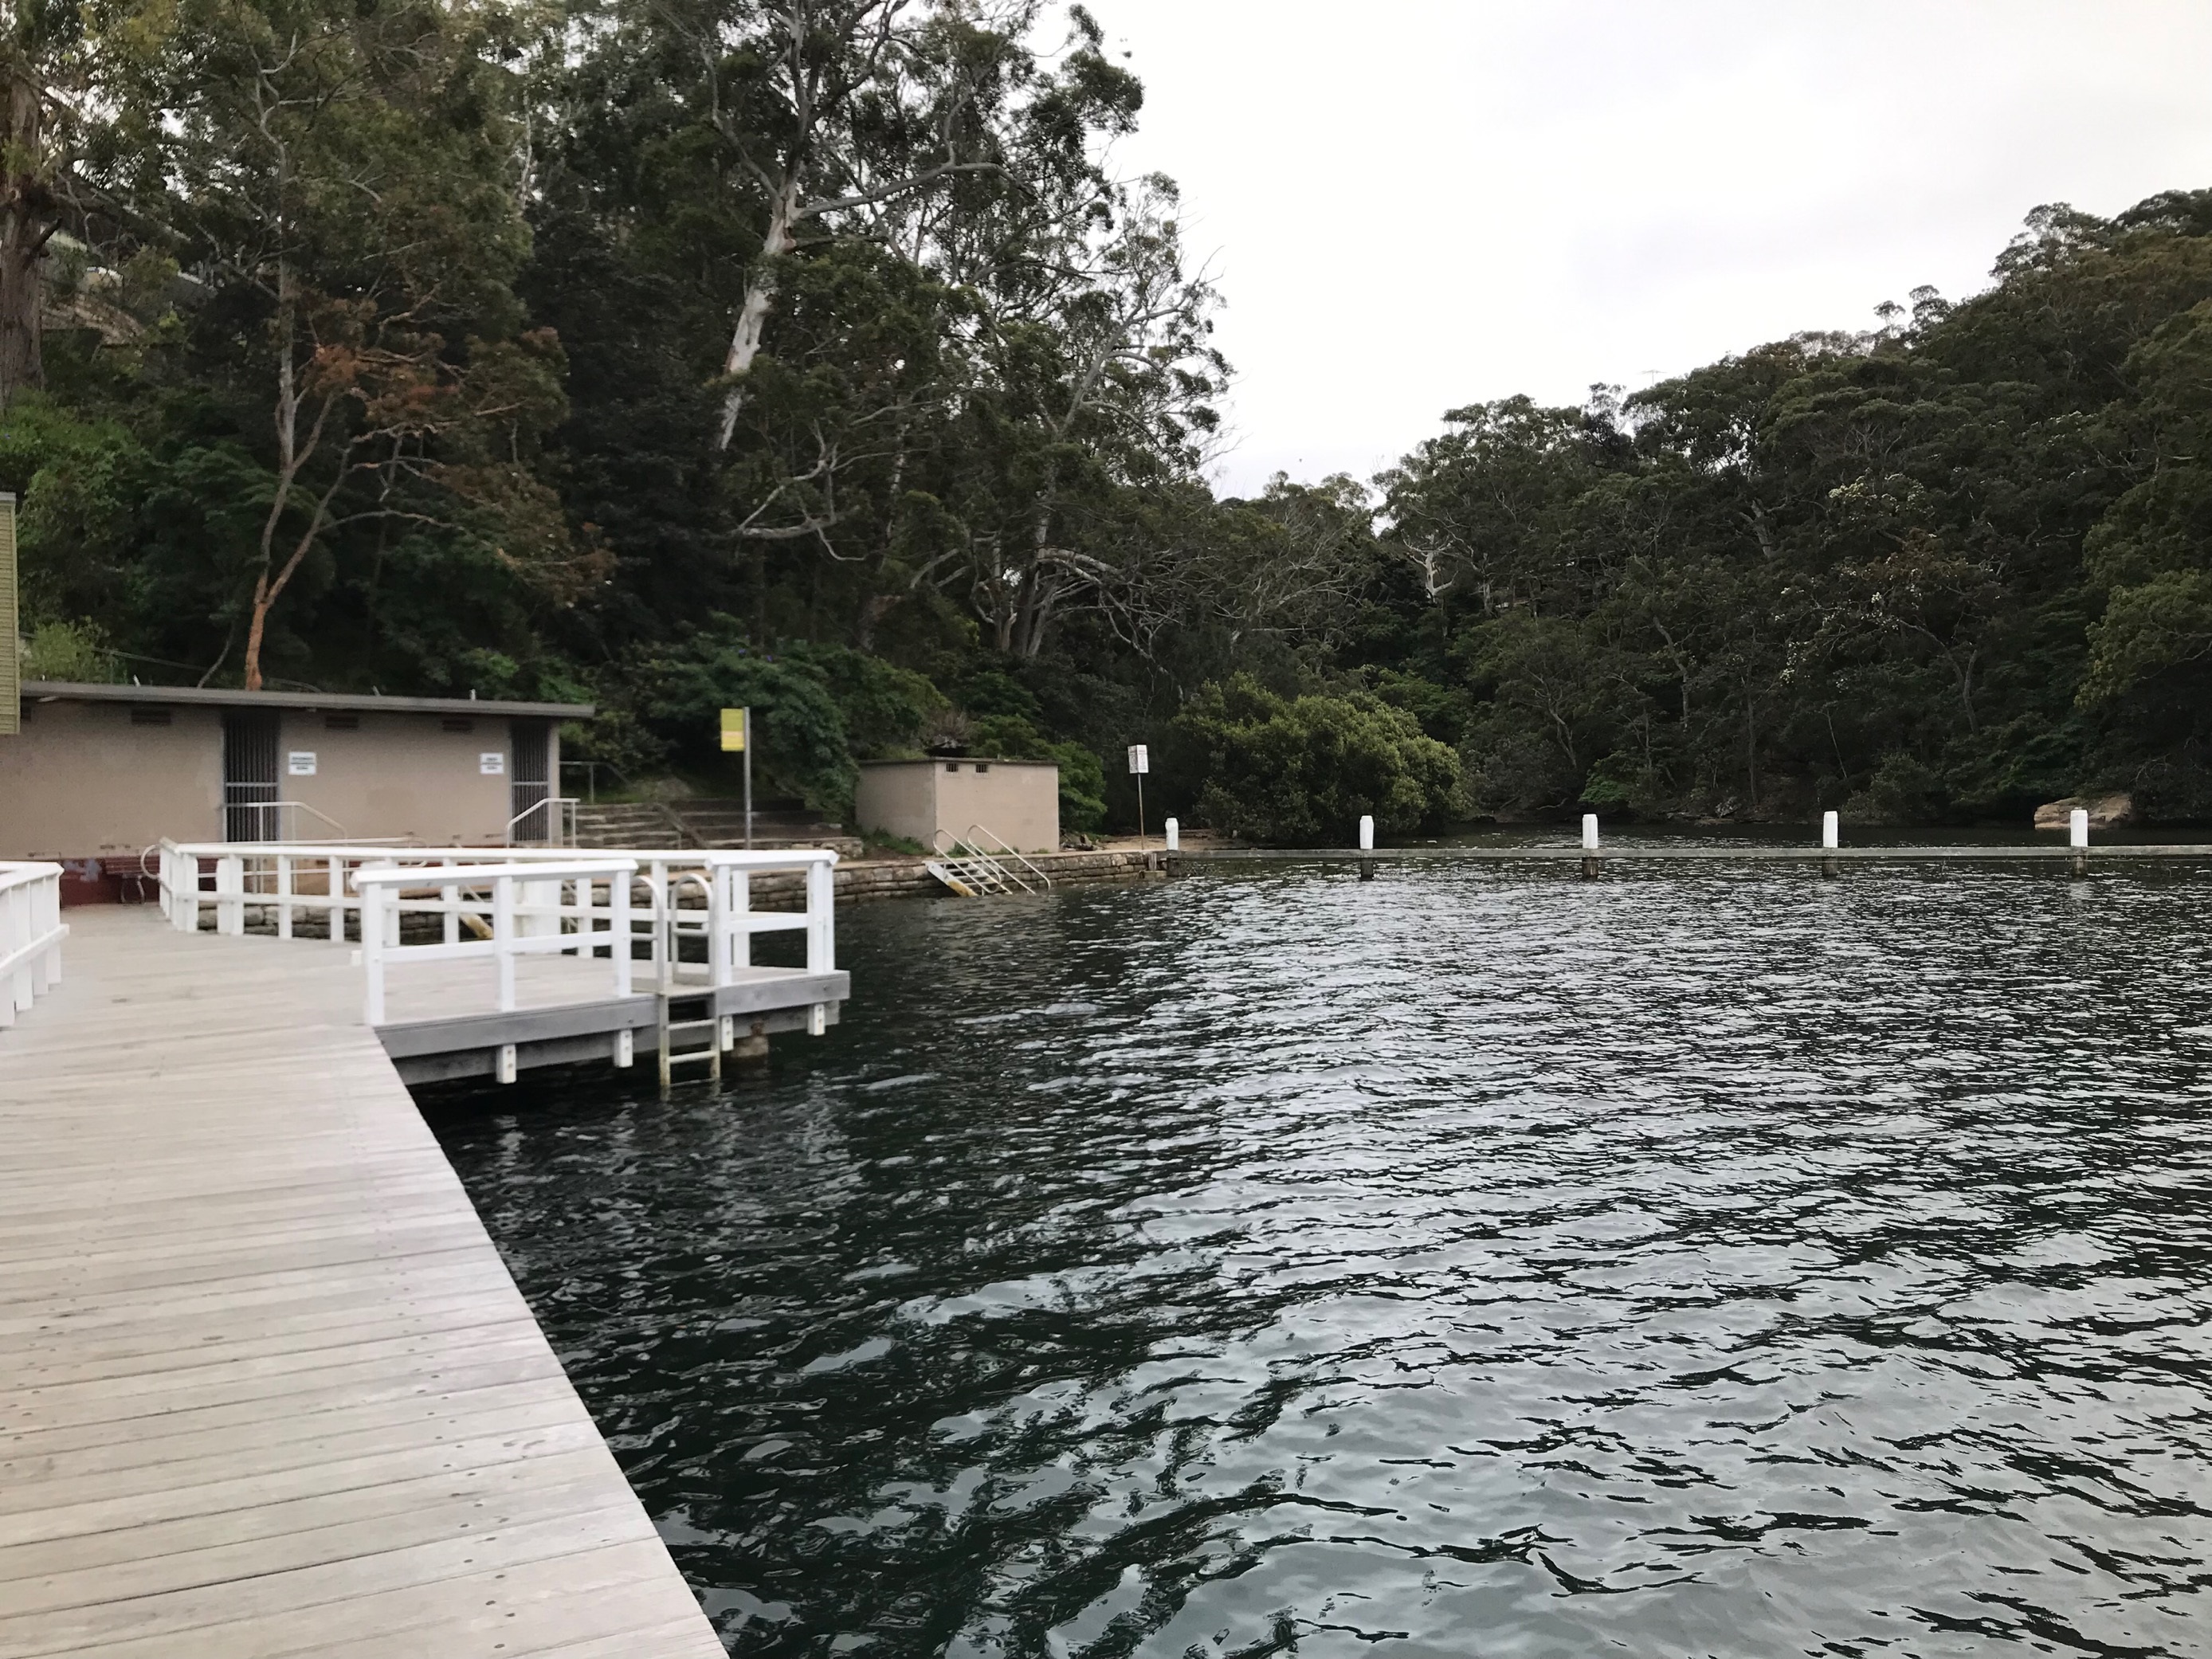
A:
{"x":1414,"y":205}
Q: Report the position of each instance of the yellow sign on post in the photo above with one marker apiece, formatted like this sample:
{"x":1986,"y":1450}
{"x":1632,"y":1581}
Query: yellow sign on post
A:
{"x":733,"y":730}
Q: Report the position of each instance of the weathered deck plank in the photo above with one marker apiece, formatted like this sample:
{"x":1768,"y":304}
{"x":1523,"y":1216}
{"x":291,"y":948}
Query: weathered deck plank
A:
{"x":265,"y":1386}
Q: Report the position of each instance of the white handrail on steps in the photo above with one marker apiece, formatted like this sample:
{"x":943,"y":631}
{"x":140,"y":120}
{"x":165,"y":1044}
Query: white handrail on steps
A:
{"x":1004,"y":851}
{"x":277,"y":832}
{"x":969,"y":867}
{"x":560,"y":814}
{"x":31,"y":934}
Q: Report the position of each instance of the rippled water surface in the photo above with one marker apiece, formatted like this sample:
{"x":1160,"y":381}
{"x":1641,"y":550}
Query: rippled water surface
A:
{"x":1470,"y":1261}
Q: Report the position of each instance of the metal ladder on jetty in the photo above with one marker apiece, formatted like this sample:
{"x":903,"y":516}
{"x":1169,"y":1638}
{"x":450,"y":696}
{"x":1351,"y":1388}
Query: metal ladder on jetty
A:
{"x":971,"y":869}
{"x":685,"y":1012}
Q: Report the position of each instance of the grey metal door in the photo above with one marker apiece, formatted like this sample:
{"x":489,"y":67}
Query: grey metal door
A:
{"x":249,"y":774}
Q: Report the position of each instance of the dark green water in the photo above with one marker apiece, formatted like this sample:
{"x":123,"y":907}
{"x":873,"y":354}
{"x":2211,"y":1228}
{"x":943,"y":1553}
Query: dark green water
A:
{"x":1465,"y":1263}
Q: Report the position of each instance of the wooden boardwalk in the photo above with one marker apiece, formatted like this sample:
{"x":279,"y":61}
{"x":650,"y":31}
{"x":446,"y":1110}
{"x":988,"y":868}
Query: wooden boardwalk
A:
{"x":265,"y":1386}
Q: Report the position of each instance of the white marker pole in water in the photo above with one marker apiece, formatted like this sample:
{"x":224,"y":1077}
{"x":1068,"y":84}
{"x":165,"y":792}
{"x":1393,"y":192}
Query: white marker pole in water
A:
{"x":2077,"y":826}
{"x":1175,"y":835}
{"x":1828,"y":838}
{"x":1366,"y":833}
{"x":1589,"y":832}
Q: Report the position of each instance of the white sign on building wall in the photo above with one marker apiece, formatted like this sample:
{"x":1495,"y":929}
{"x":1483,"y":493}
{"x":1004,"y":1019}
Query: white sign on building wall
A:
{"x":492,"y":762}
{"x":301,"y":762}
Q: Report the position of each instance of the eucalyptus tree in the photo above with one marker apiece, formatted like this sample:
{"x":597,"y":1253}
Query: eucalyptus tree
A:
{"x":342,"y":179}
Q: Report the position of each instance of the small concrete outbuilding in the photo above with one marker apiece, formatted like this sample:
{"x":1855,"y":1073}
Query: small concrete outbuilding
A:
{"x":1016,"y":801}
{"x":100,"y":772}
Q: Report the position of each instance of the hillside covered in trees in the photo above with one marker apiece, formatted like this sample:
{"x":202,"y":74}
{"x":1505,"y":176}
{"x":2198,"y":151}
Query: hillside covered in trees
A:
{"x":813,"y":355}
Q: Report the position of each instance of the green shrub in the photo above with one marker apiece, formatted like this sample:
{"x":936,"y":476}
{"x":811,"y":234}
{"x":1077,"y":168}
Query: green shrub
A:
{"x":801,"y":745}
{"x":1303,"y":771}
{"x":1082,"y":774}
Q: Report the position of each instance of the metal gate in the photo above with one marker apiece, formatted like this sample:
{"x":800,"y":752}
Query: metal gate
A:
{"x":530,"y":786}
{"x":249,"y":774}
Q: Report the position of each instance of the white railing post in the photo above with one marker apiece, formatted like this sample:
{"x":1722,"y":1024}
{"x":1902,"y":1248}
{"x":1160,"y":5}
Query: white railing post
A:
{"x":230,"y":895}
{"x":502,"y":938}
{"x":821,"y":918}
{"x":618,"y":929}
{"x":284,"y":896}
{"x":663,"y":900}
{"x":741,"y":914}
{"x":373,"y":900}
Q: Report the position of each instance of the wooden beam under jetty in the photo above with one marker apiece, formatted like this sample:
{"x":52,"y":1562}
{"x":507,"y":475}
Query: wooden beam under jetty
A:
{"x":267,"y":1388}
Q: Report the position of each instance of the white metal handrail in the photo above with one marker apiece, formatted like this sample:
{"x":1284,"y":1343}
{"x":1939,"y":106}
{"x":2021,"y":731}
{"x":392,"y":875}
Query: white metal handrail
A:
{"x":975,"y":866}
{"x":1004,"y":851}
{"x":31,"y":934}
{"x":530,"y":908}
{"x":277,"y":832}
{"x":560,"y":814}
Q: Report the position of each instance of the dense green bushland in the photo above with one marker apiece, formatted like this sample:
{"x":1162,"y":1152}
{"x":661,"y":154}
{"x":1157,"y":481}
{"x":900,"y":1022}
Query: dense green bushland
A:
{"x":681,"y":354}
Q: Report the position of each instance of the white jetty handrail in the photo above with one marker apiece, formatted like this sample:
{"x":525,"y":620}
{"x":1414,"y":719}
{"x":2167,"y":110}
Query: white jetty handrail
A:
{"x":31,"y":934}
{"x":293,"y":878}
{"x":557,"y":904}
{"x":294,"y":881}
{"x":731,"y":919}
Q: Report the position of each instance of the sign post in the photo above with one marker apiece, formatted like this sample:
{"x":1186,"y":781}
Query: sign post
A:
{"x":737,"y":739}
{"x":1140,"y":763}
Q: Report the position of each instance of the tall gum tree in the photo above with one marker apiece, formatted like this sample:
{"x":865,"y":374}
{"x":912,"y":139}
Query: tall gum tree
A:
{"x":346,"y":180}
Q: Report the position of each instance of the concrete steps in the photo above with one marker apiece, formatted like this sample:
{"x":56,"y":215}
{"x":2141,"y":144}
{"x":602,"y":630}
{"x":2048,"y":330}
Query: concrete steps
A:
{"x":680,"y":826}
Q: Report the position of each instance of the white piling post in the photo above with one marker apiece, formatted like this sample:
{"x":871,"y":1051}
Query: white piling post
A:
{"x":1366,"y":833}
{"x":1828,"y":832}
{"x":1589,"y":832}
{"x":1175,"y":835}
{"x":2077,"y":827}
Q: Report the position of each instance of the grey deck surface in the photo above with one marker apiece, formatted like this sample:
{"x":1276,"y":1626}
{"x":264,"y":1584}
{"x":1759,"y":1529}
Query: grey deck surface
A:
{"x":265,"y":1386}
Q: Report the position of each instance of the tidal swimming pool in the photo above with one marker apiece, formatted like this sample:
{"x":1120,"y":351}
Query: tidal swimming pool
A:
{"x":1469,"y":1261}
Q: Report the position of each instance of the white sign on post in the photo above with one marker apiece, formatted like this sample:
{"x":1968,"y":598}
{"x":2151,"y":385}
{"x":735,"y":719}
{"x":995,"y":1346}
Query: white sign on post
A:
{"x":1139,"y":762}
{"x":301,"y":762}
{"x":492,"y":762}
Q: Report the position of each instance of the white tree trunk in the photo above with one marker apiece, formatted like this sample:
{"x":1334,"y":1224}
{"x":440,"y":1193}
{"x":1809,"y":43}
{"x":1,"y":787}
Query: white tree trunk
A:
{"x":760,"y":295}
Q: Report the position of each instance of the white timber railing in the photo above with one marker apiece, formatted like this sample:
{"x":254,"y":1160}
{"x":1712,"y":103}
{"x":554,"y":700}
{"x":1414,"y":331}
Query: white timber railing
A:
{"x":31,"y":935}
{"x":535,"y":907}
{"x":721,"y":912}
{"x":691,"y":926}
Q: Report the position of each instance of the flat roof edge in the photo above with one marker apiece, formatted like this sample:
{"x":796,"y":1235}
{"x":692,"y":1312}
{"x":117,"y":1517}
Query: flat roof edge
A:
{"x":216,"y":697}
{"x":958,"y":760}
